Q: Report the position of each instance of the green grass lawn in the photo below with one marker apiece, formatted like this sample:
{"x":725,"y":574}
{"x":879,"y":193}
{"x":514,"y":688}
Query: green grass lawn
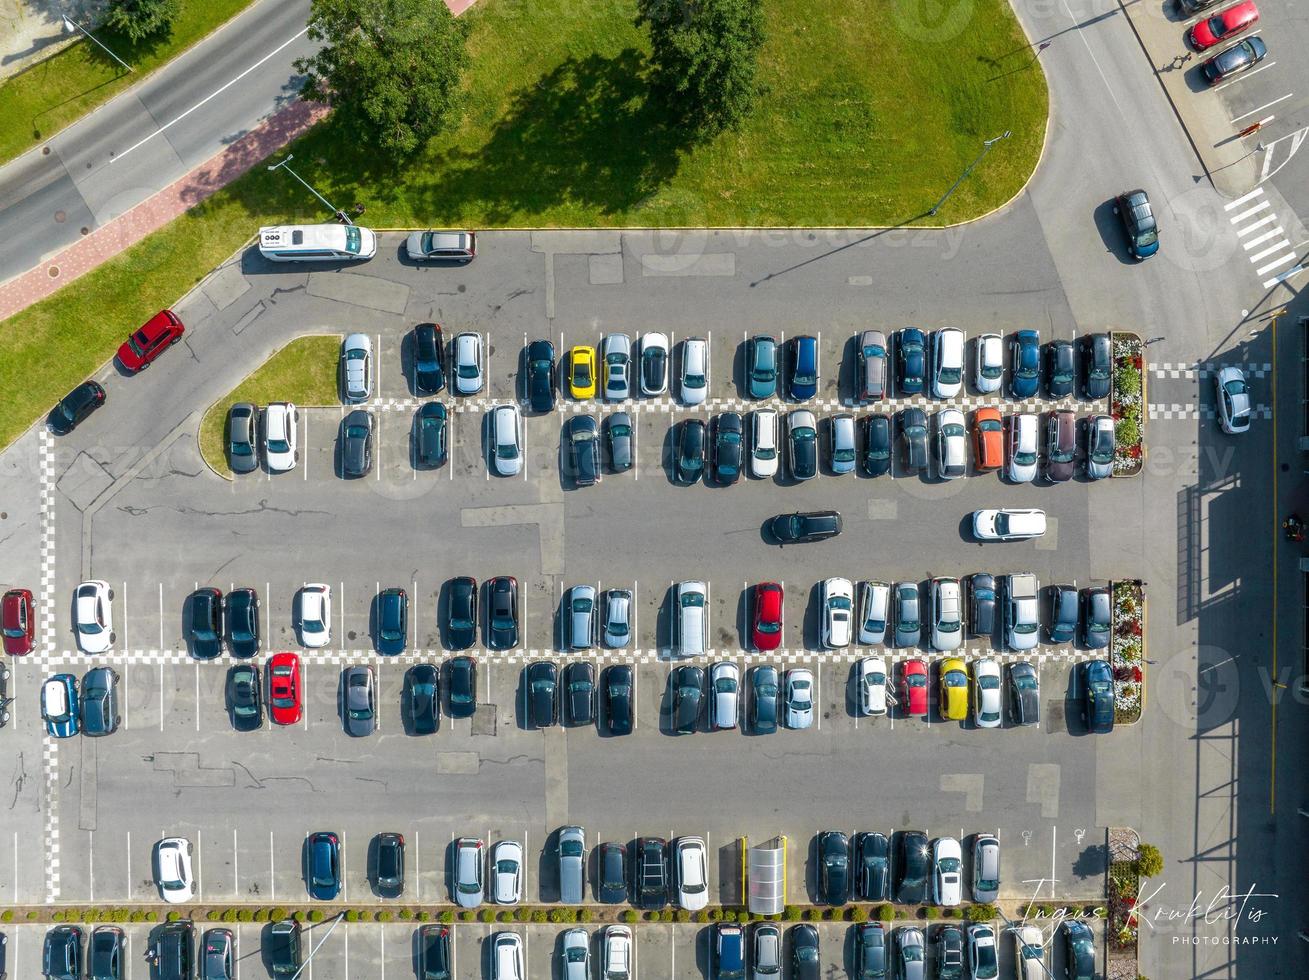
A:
{"x":43,"y":99}
{"x":303,"y":372}
{"x":865,"y":123}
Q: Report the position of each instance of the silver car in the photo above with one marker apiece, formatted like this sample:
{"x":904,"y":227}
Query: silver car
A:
{"x":872,"y":364}
{"x":951,"y":444}
{"x":908,"y":619}
{"x":989,"y":367}
{"x":467,"y":374}
{"x":507,"y":872}
{"x":357,"y":367}
{"x":799,"y":698}
{"x":616,"y":356}
{"x":843,"y":450}
{"x":947,"y":614}
{"x":507,"y":440}
{"x":874,"y":604}
{"x":724,"y":687}
{"x":468,"y":885}
{"x":767,"y":949}
{"x":1022,"y":448}
{"x":580,"y":617}
{"x":360,"y":700}
{"x":572,"y":865}
{"x":618,"y":429}
{"x":617,"y":627}
{"x":986,"y":868}
{"x":1099,"y":447}
{"x":575,"y":952}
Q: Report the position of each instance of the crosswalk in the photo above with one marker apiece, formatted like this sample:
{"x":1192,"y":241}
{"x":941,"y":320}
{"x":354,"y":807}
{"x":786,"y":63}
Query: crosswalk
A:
{"x":1263,"y":237}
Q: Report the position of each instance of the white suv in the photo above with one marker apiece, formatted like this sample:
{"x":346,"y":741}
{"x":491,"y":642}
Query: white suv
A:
{"x":281,"y":425}
{"x":763,"y":452}
{"x":838,"y":611}
{"x":507,"y":440}
{"x":95,"y":616}
{"x":692,"y":869}
{"x":316,"y":615}
{"x":616,"y":960}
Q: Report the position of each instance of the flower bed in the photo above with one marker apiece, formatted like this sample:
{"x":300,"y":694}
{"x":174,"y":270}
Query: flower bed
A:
{"x":1127,"y":403}
{"x":1127,"y":650}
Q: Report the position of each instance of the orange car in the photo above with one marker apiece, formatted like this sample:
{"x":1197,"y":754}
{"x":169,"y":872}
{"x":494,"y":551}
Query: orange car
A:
{"x":989,"y":434}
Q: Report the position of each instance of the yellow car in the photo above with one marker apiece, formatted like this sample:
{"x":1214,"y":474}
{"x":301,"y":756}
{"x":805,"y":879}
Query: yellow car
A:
{"x":581,"y":372}
{"x":954,"y":689}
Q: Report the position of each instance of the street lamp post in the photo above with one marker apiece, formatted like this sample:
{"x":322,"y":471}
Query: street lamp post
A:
{"x":986,"y":148}
{"x":70,"y":26}
{"x":340,"y":916}
{"x":339,"y":214}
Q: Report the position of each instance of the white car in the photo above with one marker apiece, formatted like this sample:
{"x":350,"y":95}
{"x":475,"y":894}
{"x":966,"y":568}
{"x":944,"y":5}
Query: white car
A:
{"x":874,"y":607}
{"x":988,"y":368}
{"x":724,"y":688}
{"x":951,"y":444}
{"x":316,"y":615}
{"x":95,"y":616}
{"x":281,"y":426}
{"x":616,"y":357}
{"x":616,"y":953}
{"x":357,"y":367}
{"x":947,"y":362}
{"x":575,"y":955}
{"x":1233,"y":396}
{"x":947,"y":614}
{"x":617,"y":618}
{"x":1008,"y":524}
{"x":654,"y":364}
{"x":695,"y":371}
{"x":871,"y":673}
{"x":763,"y":442}
{"x":983,"y":962}
{"x":507,"y":440}
{"x":507,"y":956}
{"x":507,"y":872}
{"x":466,"y":372}
{"x":691,"y":866}
{"x":838,"y":611}
{"x":173,"y":870}
{"x":1029,"y":953}
{"x":1021,"y":451}
{"x":947,"y":872}
{"x":986,"y":692}
{"x":799,"y":698}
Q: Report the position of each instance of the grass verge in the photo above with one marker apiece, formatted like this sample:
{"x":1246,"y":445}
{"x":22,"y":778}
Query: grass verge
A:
{"x":303,"y":372}
{"x":43,"y":99}
{"x":870,"y":116}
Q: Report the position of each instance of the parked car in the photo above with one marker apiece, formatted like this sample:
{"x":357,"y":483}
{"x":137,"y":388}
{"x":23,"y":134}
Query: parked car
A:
{"x":507,"y":872}
{"x":506,"y":432}
{"x":434,"y":957}
{"x":1022,"y":448}
{"x":988,"y":438}
{"x":1021,"y":613}
{"x":572,"y":865}
{"x":1139,"y":223}
{"x":1096,"y":364}
{"x":73,"y":409}
{"x":281,"y":429}
{"x":911,"y":867}
{"x":986,"y":868}
{"x":1079,"y":950}
{"x":617,"y":629}
{"x":838,"y":611}
{"x":461,"y":612}
{"x":874,"y":611}
{"x":244,"y":699}
{"x":611,"y":873}
{"x":763,"y":699}
{"x":441,"y":246}
{"x":283,"y":946}
{"x":468,"y":881}
{"x":106,"y":954}
{"x":988,"y":366}
{"x":873,"y":866}
{"x":616,"y":353}
{"x":61,"y":955}
{"x":541,"y":376}
{"x":100,"y":702}
{"x":871,"y":364}
{"x":1060,"y":368}
{"x":695,"y":371}
{"x":575,"y":955}
{"x":727,"y":448}
{"x":616,"y":960}
{"x":1240,"y":57}
{"x":724,"y":687}
{"x":763,"y":442}
{"x":1063,"y":614}
{"x":947,"y":872}
{"x":654,"y":364}
{"x":1025,"y":364}
{"x":951,"y":444}
{"x":1060,"y":445}
{"x":581,"y":371}
{"x":804,"y":528}
{"x":908,"y":625}
{"x":584,"y":451}
{"x":983,"y":962}
{"x":804,"y":368}
{"x":1096,"y":617}
{"x":462,"y":687}
{"x":1008,"y":525}
{"x":802,"y":433}
{"x":387,"y":871}
{"x":1232,"y":394}
{"x":618,"y":437}
{"x":804,"y":952}
{"x":1223,"y":26}
{"x":728,"y":946}
{"x":1024,"y":687}
{"x":877,"y":444}
{"x":843,"y":444}
{"x":315,"y":607}
{"x":913,"y":687}
{"x":541,"y":693}
{"x":507,"y":956}
{"x":833,"y":852}
{"x":172,"y":870}
{"x":502,"y":613}
{"x":359,"y":700}
{"x":618,"y":680}
{"x":766,"y":951}
{"x":172,"y":951}
{"x":953,"y":703}
{"x":420,"y":698}
{"x":650,"y":873}
{"x":871,"y":684}
{"x":242,"y":614}
{"x":799,"y":698}
{"x":357,"y":444}
{"x":1098,"y":697}
{"x":284,"y":688}
{"x":243,"y":437}
{"x":981,"y":605}
{"x":579,"y":693}
{"x":949,"y":944}
{"x":690,"y":451}
{"x":947,"y":362}
{"x":913,"y":431}
{"x":910,"y":958}
{"x":357,"y":368}
{"x":986,"y":692}
{"x":1099,"y":447}
{"x":691,"y":873}
{"x":761,"y":367}
{"x":93,"y":610}
{"x":150,"y":340}
{"x":429,"y":359}
{"x":947,"y":614}
{"x":392,"y":621}
{"x":467,"y":372}
{"x":580,"y":610}
{"x":911,"y":361}
{"x":766,"y":629}
{"x":688,"y":684}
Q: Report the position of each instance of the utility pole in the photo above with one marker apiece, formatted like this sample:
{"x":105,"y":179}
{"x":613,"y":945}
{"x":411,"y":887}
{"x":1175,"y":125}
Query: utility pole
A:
{"x":986,"y":148}
{"x":336,"y":212}
{"x":339,"y":917}
{"x":70,"y":26}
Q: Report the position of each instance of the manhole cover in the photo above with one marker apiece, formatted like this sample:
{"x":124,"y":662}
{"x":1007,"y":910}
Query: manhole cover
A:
{"x":53,"y":272}
{"x":61,"y":217}
{"x":86,"y":230}
{"x":45,"y":151}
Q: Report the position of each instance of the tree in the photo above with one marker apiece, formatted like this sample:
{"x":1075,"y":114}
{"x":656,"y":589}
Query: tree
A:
{"x":704,"y":55}
{"x":1150,"y":863}
{"x":391,"y":69}
{"x":138,"y":19}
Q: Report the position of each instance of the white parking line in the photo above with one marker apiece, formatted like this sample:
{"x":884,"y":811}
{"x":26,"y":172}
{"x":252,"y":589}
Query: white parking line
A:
{"x":1261,"y":206}
{"x":128,"y":893}
{"x":272,"y":871}
{"x":1277,"y":246}
{"x":196,"y":664}
{"x":1257,"y":192}
{"x":236,"y":865}
{"x":90,"y":860}
{"x":161,"y":697}
{"x":1266,"y":220}
{"x":1288,"y":257}
{"x":1258,"y":239}
{"x":1243,"y":76}
{"x":304,"y":700}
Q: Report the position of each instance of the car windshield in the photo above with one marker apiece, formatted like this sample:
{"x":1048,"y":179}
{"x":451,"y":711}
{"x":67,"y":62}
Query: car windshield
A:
{"x":356,"y":431}
{"x":840,"y":602}
{"x":950,"y":375}
{"x":912,"y":954}
{"x":916,"y":432}
{"x":692,"y":599}
{"x":804,"y":434}
{"x":571,"y":848}
{"x":948,"y":865}
{"x":873,"y":350}
{"x":1236,"y":386}
{"x":581,"y":605}
{"x":988,"y":682}
{"x":990,"y":425}
{"x":240,"y":448}
{"x":1061,"y":455}
{"x":278,"y":446}
{"x":1024,"y":458}
{"x":725,"y":685}
{"x":353,"y":239}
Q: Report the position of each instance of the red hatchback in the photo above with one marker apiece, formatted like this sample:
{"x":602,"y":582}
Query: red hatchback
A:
{"x":160,"y":331}
{"x":1223,"y":25}
{"x":19,"y":622}
{"x":913,"y":679}
{"x":284,"y":688}
{"x":767,"y":631}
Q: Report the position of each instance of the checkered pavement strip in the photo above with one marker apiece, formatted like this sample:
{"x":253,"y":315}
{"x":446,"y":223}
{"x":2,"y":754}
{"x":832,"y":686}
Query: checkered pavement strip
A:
{"x":50,"y":762}
{"x":1262,"y":237}
{"x":46,"y":454}
{"x":1176,"y":412}
{"x":1178,"y":371}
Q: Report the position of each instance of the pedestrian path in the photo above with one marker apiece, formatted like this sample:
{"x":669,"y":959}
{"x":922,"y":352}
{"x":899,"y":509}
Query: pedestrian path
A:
{"x":1263,"y":238}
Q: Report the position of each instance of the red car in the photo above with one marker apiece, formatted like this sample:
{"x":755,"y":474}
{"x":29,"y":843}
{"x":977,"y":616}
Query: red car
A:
{"x":160,"y":332}
{"x":1223,"y":25}
{"x":913,"y":681}
{"x":284,"y":688}
{"x":767,"y":631}
{"x":19,"y":623}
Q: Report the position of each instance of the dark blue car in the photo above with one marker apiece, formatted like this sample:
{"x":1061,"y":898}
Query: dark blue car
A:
{"x":323,"y":861}
{"x":1025,"y":364}
{"x":911,"y":360}
{"x":541,"y":376}
{"x":59,"y":706}
{"x":1098,"y":697}
{"x":804,"y":368}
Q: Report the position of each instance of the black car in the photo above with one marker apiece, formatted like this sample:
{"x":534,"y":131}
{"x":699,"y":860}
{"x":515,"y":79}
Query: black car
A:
{"x":434,"y":962}
{"x":205,"y":630}
{"x":1060,"y":368}
{"x":690,"y":450}
{"x":105,"y":954}
{"x":323,"y":865}
{"x":217,"y":955}
{"x":611,"y":873}
{"x":618,"y":699}
{"x":430,"y":434}
{"x":1133,"y":208}
{"x":949,"y":953}
{"x":357,"y":444}
{"x":74,"y":407}
{"x":387,"y":871}
{"x":913,"y":430}
{"x":172,"y":953}
{"x":803,"y":528}
{"x":61,"y":959}
{"x":282,"y":943}
{"x":422,"y":698}
{"x":429,"y":359}
{"x":728,"y":448}
{"x":802,"y":444}
{"x":242,"y":438}
{"x":1063,"y":613}
{"x":542,"y":693}
{"x":871,"y":959}
{"x":981,"y":605}
{"x":913,"y":858}
{"x":1079,"y":950}
{"x":873,"y":855}
{"x":502,"y":613}
{"x":763,"y":699}
{"x":1098,"y":697}
{"x":461,"y":613}
{"x":618,"y":440}
{"x":579,"y":692}
{"x":541,"y":376}
{"x":650,"y":873}
{"x":1238,"y":58}
{"x":1024,"y":689}
{"x":242,"y":608}
{"x":877,"y":444}
{"x":688,"y":695}
{"x":462,"y":687}
{"x":804,"y":952}
{"x":1096,"y":364}
{"x":100,"y":702}
{"x":911,"y":360}
{"x":584,"y":451}
{"x":245,"y":698}
{"x":392,"y":621}
{"x":833,"y":867}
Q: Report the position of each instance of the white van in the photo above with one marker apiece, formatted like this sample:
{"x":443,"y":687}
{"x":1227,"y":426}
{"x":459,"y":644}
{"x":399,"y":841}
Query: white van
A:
{"x":689,"y":616}
{"x":316,"y":243}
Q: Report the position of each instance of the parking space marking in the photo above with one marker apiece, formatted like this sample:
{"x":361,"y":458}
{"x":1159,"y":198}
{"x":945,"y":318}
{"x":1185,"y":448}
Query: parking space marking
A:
{"x":1250,"y":212}
{"x":1244,"y":75}
{"x":1267,"y":220}
{"x":1260,"y":239}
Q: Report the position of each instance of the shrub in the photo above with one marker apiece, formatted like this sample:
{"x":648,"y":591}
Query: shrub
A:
{"x":812,"y":914}
{"x":487,"y":915}
{"x":213,"y":915}
{"x":506,"y":916}
{"x":981,"y":913}
{"x":137,"y":915}
{"x":298,"y":915}
{"x":1127,"y":433}
{"x":682,"y":915}
{"x":714,"y":914}
{"x":229,"y":915}
{"x":277,"y":914}
{"x":315,"y":915}
{"x":424,"y":915}
{"x":931,"y":912}
{"x":7,"y":915}
{"x":1127,"y":380}
{"x":859,"y":913}
{"x":629,"y":915}
{"x":406,"y":915}
{"x":650,"y":916}
{"x":57,"y":915}
{"x":585,"y":915}
{"x":152,"y":916}
{"x":885,"y":913}
{"x":258,"y":915}
{"x":538,"y":915}
{"x":466,"y":915}
{"x":950,"y":913}
{"x":791,"y":914}
{"x":446,"y":916}
{"x":1151,"y":862}
{"x":563,"y":915}
{"x":386,"y":915}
